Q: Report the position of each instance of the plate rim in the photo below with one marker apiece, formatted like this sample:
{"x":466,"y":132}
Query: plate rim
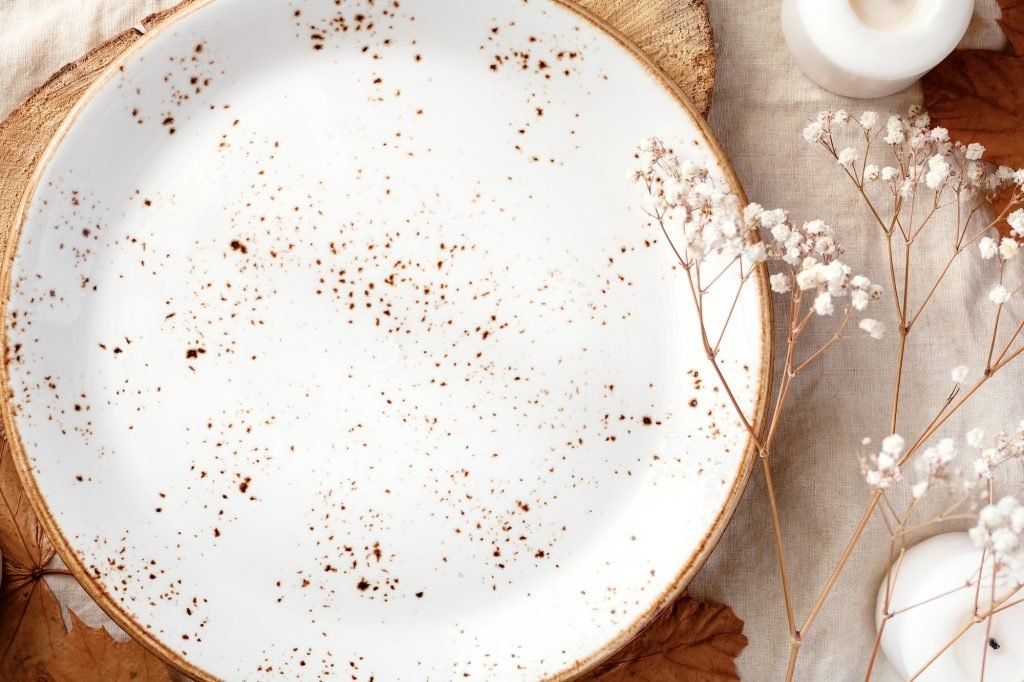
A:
{"x":160,"y":649}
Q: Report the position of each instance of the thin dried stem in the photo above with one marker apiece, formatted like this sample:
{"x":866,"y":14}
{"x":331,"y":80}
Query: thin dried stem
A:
{"x":934,"y":522}
{"x":841,"y":565}
{"x":934,"y":287}
{"x":794,"y":652}
{"x":947,"y":593}
{"x":1009,"y":343}
{"x":779,"y":549}
{"x":874,"y":649}
{"x":828,"y":344}
{"x":892,"y":277}
{"x":988,"y":634}
{"x":904,"y":221}
{"x":995,"y":327}
{"x":979,"y":618}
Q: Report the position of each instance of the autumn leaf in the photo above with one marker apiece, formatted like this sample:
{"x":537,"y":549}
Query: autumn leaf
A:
{"x":34,"y":644}
{"x":979,"y":97}
{"x":979,"y":94}
{"x":31,"y":628}
{"x":1012,"y":23}
{"x":689,"y":642}
{"x":91,"y":655}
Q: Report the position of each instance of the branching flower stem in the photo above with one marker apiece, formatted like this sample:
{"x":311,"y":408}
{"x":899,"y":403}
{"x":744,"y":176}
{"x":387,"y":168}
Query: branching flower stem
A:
{"x":700,"y":221}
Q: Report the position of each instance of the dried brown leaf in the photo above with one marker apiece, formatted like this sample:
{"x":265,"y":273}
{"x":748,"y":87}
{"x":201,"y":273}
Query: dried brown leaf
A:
{"x":979,"y":94}
{"x":34,"y":643}
{"x":91,"y":655}
{"x":689,"y":642}
{"x":979,"y":97}
{"x":1012,"y":23}
{"x":31,"y":627}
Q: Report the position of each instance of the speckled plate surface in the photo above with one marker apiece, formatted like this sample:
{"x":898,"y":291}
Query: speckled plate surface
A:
{"x":339,"y":347}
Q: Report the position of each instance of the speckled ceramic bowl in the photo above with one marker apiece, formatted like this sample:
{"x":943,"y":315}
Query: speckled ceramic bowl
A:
{"x":338,"y":345}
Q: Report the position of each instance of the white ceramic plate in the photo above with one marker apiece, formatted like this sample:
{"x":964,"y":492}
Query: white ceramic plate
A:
{"x":339,"y":346}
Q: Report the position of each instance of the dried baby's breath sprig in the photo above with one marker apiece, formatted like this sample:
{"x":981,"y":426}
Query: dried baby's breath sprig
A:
{"x":880,"y":469}
{"x":711,"y":234}
{"x":941,"y":466}
{"x":1000,"y":531}
{"x":1006,"y":447}
{"x":702,"y":219}
{"x":907,"y":173}
{"x":920,"y":172}
{"x":967,"y":490}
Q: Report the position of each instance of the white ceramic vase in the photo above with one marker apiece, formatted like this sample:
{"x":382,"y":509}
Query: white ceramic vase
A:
{"x":872,"y":48}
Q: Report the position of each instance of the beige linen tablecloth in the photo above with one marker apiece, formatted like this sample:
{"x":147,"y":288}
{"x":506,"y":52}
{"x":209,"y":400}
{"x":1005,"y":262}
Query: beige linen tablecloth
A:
{"x":761,"y":103}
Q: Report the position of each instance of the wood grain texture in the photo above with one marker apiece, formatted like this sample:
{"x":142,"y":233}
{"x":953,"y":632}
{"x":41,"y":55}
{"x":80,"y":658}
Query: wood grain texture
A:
{"x":26,"y":132}
{"x":676,"y":34}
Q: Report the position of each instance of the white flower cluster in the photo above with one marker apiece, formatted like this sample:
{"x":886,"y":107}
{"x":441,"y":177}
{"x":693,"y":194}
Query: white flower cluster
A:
{"x":926,"y":157}
{"x":1006,"y":248}
{"x":999,"y":294}
{"x":689,"y":202}
{"x":1016,"y":221}
{"x":873,"y":328}
{"x":923,"y":156}
{"x":934,"y":466}
{"x":692,"y":203}
{"x":821,"y":127}
{"x":881,"y":470}
{"x":1005,"y":447}
{"x":1000,"y":530}
{"x":1004,"y":177}
{"x":811,"y":252}
{"x":937,"y":463}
